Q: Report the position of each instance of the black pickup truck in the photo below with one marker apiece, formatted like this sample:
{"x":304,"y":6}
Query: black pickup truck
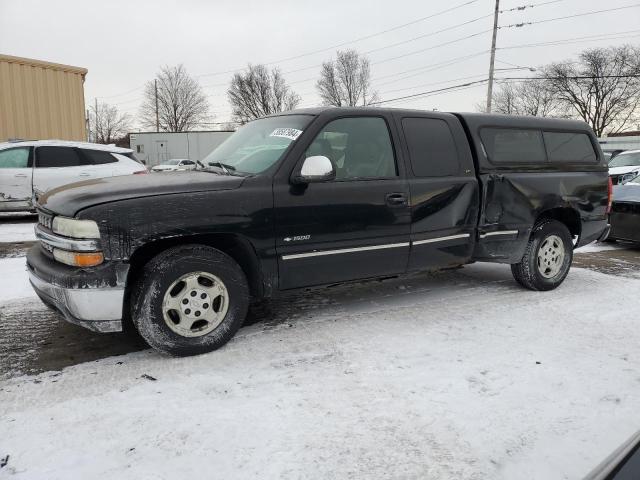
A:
{"x":313,"y":197}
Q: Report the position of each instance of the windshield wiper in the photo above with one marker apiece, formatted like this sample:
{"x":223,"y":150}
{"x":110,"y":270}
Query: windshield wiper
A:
{"x":225,"y":167}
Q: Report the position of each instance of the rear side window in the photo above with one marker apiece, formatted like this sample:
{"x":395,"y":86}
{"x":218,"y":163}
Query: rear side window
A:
{"x":510,"y":145}
{"x":432,"y":149}
{"x":47,"y":157}
{"x":98,"y":157}
{"x":568,"y":147}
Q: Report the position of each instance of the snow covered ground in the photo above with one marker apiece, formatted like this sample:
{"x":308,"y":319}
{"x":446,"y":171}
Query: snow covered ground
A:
{"x":14,"y":281}
{"x":600,"y":247}
{"x":460,"y":374}
{"x":16,"y":231}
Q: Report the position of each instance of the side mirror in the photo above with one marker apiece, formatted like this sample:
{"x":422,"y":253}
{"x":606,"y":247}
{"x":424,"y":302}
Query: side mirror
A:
{"x":315,"y":169}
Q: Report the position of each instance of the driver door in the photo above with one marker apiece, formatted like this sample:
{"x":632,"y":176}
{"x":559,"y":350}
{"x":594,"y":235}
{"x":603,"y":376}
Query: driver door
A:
{"x":355,"y":226}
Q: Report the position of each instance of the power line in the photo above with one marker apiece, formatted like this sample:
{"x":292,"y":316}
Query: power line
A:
{"x":430,"y":34}
{"x":366,"y":37}
{"x":380,"y":102}
{"x":432,"y":47}
{"x":429,"y":68}
{"x":124,"y":93}
{"x":588,"y":38}
{"x":583,"y":14}
{"x":524,"y":7}
{"x":433,"y":83}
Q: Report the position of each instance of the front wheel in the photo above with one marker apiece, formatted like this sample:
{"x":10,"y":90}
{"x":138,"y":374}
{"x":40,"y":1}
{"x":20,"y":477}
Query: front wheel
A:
{"x":189,"y":300}
{"x":547,"y":258}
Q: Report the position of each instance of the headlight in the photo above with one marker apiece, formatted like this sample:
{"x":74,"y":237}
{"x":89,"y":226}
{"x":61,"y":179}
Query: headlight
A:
{"x":627,"y":177}
{"x":70,"y":227}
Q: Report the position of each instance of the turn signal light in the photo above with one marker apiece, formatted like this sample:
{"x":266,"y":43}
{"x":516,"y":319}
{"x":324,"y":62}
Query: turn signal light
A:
{"x":78,"y":259}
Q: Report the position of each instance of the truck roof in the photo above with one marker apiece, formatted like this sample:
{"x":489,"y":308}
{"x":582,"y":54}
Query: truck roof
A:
{"x":474,"y":119}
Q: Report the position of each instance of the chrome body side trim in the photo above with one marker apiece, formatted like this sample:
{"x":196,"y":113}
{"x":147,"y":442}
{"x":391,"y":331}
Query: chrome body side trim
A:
{"x":440,"y":239}
{"x":499,"y":232}
{"x":66,"y":243}
{"x":344,"y":250}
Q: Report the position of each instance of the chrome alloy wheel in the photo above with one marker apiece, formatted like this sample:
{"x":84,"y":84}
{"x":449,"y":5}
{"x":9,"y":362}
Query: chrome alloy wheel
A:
{"x":195,"y":304}
{"x":550,"y":256}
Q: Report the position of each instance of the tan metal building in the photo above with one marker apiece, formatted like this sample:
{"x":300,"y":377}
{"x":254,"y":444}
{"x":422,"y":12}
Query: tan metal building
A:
{"x":41,"y":100}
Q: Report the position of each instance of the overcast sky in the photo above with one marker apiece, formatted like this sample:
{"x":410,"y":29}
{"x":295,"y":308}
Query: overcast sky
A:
{"x":123,"y":43}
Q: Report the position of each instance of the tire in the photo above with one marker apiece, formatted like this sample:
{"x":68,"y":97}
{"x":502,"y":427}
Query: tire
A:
{"x":164,"y":307}
{"x":552,"y":240}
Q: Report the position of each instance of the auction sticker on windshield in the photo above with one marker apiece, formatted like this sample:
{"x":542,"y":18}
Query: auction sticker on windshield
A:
{"x":290,"y":133}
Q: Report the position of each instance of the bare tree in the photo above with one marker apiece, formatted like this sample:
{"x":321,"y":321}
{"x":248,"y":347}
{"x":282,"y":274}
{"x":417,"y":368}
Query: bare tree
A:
{"x":530,"y":97}
{"x":107,"y":124}
{"x":182,"y":105}
{"x":258,"y":92}
{"x":346,"y":81}
{"x":602,"y":88}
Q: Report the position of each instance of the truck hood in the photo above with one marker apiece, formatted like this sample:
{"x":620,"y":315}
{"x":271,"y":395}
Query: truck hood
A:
{"x":69,"y":199}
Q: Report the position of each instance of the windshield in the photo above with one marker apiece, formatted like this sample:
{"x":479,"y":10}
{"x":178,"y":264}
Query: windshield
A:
{"x":626,"y":160}
{"x":258,"y":145}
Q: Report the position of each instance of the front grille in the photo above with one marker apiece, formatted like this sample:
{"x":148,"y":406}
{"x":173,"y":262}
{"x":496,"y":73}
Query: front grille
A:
{"x":615,"y":179}
{"x":45,"y":220}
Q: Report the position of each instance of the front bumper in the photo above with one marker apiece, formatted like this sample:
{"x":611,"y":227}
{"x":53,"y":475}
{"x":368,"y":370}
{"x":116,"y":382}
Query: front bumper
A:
{"x":93,"y":305}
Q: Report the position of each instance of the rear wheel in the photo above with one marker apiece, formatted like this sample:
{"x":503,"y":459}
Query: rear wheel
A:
{"x":547,"y":258}
{"x":190,"y":300}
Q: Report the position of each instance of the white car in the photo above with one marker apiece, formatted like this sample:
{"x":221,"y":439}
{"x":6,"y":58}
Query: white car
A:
{"x":177,"y":164}
{"x":625,"y":167}
{"x":28,"y":168}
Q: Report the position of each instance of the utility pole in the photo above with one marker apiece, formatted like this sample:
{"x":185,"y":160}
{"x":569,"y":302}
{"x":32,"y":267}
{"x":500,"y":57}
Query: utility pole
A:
{"x":95,"y":122}
{"x":155,"y":83}
{"x":493,"y":55}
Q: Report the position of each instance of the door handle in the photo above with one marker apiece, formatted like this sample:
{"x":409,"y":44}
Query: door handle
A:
{"x":396,"y":199}
{"x":21,"y":175}
{"x":85,"y":174}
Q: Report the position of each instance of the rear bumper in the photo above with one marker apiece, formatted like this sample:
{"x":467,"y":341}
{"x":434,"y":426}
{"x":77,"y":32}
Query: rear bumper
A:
{"x":593,"y":230}
{"x":625,"y":226}
{"x":86,"y":300}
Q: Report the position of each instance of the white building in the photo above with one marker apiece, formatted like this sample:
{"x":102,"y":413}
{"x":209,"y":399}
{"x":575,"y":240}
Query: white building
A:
{"x":154,"y":148}
{"x":620,"y":142}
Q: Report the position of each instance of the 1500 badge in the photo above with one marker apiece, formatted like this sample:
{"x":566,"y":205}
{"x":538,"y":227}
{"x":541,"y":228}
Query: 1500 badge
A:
{"x":297,"y":238}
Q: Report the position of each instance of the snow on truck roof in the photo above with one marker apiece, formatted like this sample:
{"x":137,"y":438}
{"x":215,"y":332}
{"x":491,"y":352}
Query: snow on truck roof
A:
{"x":64,"y":143}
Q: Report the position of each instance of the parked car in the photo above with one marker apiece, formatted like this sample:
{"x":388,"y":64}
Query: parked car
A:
{"x":611,"y":154}
{"x":31,"y":167}
{"x":624,"y":166}
{"x":314,"y":197}
{"x":625,"y":212}
{"x":175,"y":165}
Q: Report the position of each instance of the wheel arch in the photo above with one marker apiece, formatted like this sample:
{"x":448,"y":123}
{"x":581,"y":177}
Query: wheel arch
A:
{"x":565,"y":215}
{"x":236,"y":246}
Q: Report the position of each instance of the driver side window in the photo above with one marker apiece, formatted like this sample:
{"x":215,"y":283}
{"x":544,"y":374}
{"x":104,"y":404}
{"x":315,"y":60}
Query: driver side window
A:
{"x":358,"y":147}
